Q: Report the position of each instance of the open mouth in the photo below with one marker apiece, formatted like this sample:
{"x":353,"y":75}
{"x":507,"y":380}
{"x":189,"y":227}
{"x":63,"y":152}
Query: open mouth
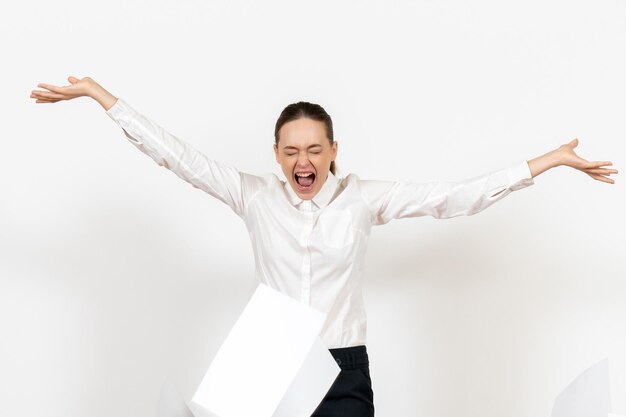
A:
{"x":305,"y":180}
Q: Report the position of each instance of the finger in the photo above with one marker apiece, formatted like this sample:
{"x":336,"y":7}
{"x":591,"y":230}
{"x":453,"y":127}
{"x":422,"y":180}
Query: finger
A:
{"x":48,"y":95}
{"x":39,"y":100}
{"x":38,"y":93}
{"x":601,"y":178}
{"x":598,"y":164}
{"x":603,"y":171}
{"x":44,"y":99}
{"x":38,"y":97}
{"x":50,"y":87}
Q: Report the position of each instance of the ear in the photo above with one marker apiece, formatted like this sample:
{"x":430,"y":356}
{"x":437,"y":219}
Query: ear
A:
{"x":276,"y":153}
{"x":334,"y":150}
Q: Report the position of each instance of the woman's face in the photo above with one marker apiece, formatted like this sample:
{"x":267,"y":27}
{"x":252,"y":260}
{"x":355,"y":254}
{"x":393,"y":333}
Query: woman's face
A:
{"x":304,"y":154}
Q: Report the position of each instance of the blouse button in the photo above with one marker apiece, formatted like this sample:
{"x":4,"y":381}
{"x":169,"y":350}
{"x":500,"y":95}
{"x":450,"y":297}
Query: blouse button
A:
{"x":338,"y":361}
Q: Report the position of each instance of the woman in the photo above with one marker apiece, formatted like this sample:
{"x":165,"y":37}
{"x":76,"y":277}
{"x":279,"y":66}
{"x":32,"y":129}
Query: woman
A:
{"x":309,"y":233}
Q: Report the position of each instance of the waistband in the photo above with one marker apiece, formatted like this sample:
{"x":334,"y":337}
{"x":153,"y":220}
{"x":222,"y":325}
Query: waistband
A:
{"x":353,"y":357}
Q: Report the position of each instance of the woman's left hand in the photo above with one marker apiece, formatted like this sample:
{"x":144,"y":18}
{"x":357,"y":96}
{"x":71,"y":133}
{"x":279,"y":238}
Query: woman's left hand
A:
{"x":594,"y":169}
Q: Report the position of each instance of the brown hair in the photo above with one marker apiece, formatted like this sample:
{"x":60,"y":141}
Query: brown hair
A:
{"x":312,"y":111}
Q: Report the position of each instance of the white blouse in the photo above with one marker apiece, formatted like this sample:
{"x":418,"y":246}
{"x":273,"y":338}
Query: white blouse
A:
{"x":314,"y":250}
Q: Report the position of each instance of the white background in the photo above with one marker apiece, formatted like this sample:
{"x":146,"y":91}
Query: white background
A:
{"x":114,"y":273}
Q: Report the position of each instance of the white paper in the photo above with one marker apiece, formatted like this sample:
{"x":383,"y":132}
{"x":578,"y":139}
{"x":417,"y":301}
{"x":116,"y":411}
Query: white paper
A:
{"x":263,"y":355}
{"x":170,"y":403}
{"x":315,"y":378}
{"x":199,"y":411}
{"x":587,"y":396}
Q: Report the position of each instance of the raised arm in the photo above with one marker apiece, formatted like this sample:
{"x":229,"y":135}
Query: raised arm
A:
{"x":222,"y":181}
{"x":444,"y":199}
{"x":389,"y":200}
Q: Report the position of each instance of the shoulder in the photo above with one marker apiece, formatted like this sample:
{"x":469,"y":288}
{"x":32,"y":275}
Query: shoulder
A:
{"x":257,"y":182}
{"x":259,"y":179}
{"x":350,"y":178}
{"x":364,"y":185}
{"x":253,"y":184}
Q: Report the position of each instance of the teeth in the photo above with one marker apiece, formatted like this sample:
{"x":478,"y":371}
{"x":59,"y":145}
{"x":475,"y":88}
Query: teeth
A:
{"x":303,"y":174}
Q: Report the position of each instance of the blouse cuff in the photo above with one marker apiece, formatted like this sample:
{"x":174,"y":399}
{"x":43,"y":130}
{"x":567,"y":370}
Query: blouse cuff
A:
{"x":117,"y":109}
{"x":520,"y":176}
{"x":123,"y":114}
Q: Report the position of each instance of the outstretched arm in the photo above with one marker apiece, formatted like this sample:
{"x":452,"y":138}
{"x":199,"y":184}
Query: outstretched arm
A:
{"x":222,"y":181}
{"x":389,"y":200}
{"x":565,"y":155}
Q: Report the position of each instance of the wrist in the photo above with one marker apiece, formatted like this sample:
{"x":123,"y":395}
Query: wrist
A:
{"x":93,"y":89}
{"x":554,"y":158}
{"x":545,"y":162}
{"x":102,"y":96}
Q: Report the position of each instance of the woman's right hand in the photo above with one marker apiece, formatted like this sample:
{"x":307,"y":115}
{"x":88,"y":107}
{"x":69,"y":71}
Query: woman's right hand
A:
{"x":77,"y":88}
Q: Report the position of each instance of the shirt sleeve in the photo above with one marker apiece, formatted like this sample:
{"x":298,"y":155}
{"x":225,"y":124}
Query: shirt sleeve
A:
{"x":389,"y":200}
{"x":222,"y":181}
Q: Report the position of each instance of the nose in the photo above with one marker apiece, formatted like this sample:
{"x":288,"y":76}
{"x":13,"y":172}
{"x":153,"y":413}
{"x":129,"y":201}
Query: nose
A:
{"x":303,"y":160}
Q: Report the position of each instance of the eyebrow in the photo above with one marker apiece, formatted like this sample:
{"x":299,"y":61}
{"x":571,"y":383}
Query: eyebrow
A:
{"x":293,"y":147}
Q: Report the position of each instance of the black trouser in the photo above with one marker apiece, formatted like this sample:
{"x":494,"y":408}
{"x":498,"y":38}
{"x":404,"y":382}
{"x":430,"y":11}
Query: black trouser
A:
{"x":351,"y":394}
